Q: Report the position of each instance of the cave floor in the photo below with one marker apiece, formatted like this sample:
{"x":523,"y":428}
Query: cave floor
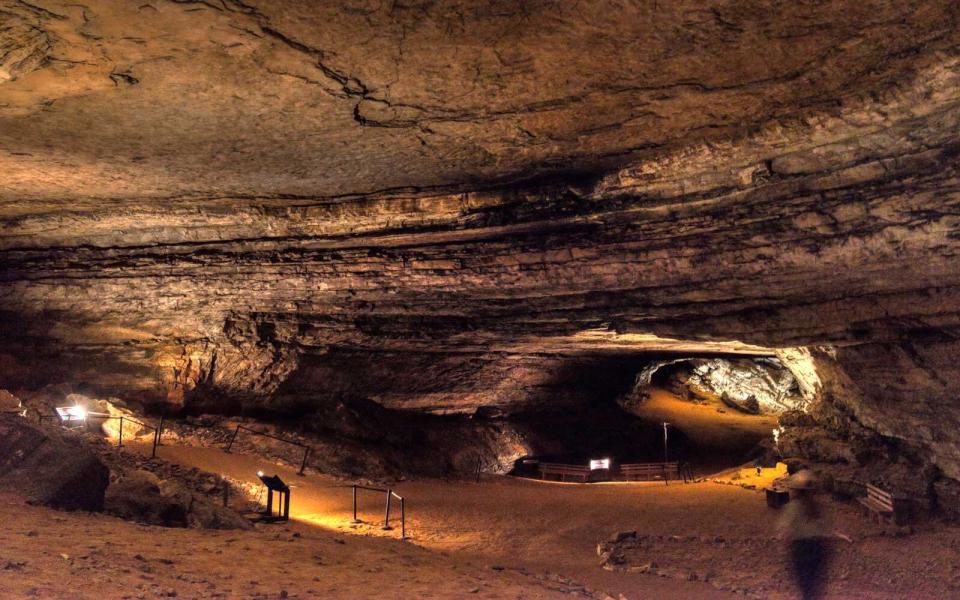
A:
{"x":541,"y":537}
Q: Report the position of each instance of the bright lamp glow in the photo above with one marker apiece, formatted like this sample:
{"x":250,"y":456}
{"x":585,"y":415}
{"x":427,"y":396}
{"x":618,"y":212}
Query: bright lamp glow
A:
{"x":601,"y":463}
{"x":70,"y":414}
{"x":259,"y":473}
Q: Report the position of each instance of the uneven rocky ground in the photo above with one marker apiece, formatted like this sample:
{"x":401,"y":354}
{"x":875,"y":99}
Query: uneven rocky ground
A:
{"x":77,"y":470}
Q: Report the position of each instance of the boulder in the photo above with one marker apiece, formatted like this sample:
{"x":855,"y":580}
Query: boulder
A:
{"x":748,"y":405}
{"x":143,"y":497}
{"x":137,"y":497}
{"x":49,"y":467}
{"x":9,"y":402}
{"x":816,"y":444}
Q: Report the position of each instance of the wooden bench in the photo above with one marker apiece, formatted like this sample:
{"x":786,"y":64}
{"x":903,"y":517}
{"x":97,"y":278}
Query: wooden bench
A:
{"x":563,"y":471}
{"x":881,"y":505}
{"x":651,"y":471}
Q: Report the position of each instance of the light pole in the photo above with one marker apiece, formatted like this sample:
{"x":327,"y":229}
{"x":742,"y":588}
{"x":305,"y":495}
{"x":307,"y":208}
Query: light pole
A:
{"x":665,"y":426}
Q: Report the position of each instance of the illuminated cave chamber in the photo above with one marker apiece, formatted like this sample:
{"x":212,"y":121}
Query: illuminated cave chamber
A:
{"x":424,"y":254}
{"x":753,"y":385}
{"x":567,"y":398}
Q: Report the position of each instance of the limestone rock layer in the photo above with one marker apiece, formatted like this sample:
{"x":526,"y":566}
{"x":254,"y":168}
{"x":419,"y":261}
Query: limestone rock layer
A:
{"x":212,"y":201}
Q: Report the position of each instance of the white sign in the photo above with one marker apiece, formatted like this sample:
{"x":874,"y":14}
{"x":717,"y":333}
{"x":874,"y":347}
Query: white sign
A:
{"x":603,"y":463}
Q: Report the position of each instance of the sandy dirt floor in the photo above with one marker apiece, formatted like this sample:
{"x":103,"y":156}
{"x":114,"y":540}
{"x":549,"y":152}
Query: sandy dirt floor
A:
{"x":502,"y":538}
{"x":45,"y":554}
{"x":549,"y":531}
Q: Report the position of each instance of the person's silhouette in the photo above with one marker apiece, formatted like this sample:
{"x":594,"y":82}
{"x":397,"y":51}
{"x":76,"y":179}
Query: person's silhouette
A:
{"x":805,"y":530}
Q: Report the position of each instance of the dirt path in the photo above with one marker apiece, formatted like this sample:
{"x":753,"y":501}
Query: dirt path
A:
{"x":502,"y":538}
{"x":550,"y":530}
{"x":537,"y":526}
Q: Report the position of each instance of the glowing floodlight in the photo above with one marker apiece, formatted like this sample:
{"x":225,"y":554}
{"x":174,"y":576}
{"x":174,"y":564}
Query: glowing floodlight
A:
{"x":260,"y":474}
{"x":72,"y":414}
{"x":600,"y":463}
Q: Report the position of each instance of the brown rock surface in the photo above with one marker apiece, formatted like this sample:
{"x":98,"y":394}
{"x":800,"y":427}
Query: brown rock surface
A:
{"x":48,"y":468}
{"x":200,"y":201}
{"x":255,"y":98}
{"x":140,"y":496}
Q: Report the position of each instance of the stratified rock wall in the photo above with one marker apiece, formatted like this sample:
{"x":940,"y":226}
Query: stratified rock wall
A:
{"x":757,"y":386}
{"x":885,"y":414}
{"x":49,"y":468}
{"x":262,"y":205}
{"x":907,"y":391}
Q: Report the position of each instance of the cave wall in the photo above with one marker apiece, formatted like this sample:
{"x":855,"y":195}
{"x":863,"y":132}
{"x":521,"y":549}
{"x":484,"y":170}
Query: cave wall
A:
{"x":851,"y":251}
{"x":751,"y":385}
{"x":202,"y":200}
{"x":439,"y":383}
{"x":882,"y":414}
{"x":901,"y":392}
{"x":446,"y":383}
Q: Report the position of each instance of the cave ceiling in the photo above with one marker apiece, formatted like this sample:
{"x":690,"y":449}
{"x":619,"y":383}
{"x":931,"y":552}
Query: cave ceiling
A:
{"x":280,"y":98}
{"x":204,"y":191}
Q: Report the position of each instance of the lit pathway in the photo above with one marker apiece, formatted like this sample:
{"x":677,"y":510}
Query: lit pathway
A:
{"x":544,"y":527}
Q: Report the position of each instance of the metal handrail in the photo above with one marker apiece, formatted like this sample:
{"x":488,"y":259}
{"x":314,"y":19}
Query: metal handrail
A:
{"x":386,"y":517}
{"x":403,"y":514}
{"x":157,"y":431}
{"x":306,"y":451}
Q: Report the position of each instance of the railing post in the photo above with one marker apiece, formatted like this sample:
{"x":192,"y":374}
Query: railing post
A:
{"x":478,"y":469}
{"x":232,"y":438}
{"x":120,"y":443}
{"x":303,"y":465}
{"x":153,"y":453}
{"x":355,"y":520}
{"x":403,"y":520}
{"x":386,"y":518}
{"x":160,"y":430}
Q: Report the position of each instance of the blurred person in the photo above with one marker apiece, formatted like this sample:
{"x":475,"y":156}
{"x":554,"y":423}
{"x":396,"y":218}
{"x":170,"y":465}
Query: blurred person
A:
{"x":804,"y":527}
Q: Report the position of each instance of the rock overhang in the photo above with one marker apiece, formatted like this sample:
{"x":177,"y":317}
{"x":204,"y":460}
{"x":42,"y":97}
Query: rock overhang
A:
{"x":204,"y":192}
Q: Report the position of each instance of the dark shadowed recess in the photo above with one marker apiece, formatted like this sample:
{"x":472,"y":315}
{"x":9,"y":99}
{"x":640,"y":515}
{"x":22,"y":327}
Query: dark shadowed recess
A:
{"x":441,"y":413}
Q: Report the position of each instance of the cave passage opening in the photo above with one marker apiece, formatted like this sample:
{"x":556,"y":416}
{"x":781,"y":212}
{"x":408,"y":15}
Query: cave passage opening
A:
{"x":390,"y":413}
{"x":387,"y":414}
{"x":720,"y":411}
